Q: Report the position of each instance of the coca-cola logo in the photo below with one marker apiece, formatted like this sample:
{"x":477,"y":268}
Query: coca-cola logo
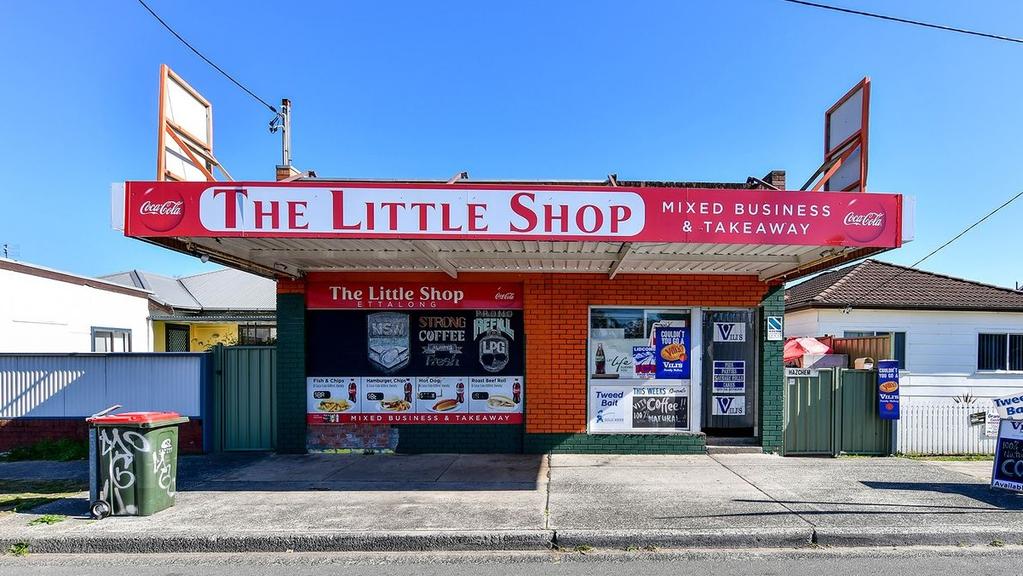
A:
{"x":169,"y":207}
{"x":161,"y":210}
{"x":868,"y":219}
{"x":864,"y":219}
{"x":504,"y":295}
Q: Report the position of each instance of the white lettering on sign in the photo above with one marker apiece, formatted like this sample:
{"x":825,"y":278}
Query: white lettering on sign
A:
{"x":1010,"y":407}
{"x":411,"y":211}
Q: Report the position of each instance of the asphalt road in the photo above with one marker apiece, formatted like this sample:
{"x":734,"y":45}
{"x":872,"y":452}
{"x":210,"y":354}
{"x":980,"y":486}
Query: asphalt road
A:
{"x":834,"y":562}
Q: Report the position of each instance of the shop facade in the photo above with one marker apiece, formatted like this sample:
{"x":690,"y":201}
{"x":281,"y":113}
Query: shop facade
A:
{"x":508,"y":317}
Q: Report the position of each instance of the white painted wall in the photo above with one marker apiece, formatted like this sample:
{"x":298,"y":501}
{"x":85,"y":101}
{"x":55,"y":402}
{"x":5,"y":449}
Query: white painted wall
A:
{"x":44,"y":315}
{"x":941,"y":347}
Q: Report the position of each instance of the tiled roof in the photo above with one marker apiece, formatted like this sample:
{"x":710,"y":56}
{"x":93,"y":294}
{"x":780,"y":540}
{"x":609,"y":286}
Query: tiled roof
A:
{"x":220,"y":290}
{"x":873,"y":284}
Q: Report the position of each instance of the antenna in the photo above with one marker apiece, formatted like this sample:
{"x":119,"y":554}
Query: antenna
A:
{"x":282,"y":122}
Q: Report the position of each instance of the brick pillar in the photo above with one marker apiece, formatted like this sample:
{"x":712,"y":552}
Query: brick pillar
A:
{"x":776,"y":178}
{"x":772,"y":373}
{"x":291,"y":390}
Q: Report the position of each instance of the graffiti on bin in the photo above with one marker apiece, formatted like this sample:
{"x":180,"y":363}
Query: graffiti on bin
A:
{"x":162,"y":467}
{"x":120,"y":448}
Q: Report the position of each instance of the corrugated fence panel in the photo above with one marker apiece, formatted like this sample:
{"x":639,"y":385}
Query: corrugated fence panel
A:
{"x":78,"y":385}
{"x":942,"y":429}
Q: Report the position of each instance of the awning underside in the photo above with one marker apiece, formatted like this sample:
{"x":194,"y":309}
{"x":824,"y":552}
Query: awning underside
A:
{"x":293,"y":257}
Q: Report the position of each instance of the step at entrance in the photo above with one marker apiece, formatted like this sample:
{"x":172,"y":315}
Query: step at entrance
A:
{"x":730,"y":445}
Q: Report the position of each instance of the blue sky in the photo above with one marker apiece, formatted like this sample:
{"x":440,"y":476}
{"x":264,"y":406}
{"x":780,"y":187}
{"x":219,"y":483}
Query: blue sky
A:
{"x":688,"y":90}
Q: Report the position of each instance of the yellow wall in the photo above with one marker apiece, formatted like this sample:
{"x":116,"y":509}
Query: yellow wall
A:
{"x":205,"y":336}
{"x":159,"y":336}
{"x":201,"y":336}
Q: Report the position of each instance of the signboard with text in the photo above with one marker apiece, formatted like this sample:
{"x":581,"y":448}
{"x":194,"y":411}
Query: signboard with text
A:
{"x":1008,"y":469}
{"x":888,"y":389}
{"x":418,"y":354}
{"x":510,"y":212}
{"x":639,"y":407}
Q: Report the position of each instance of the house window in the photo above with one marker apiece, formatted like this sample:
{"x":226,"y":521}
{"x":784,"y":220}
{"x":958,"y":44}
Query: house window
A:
{"x":898,"y":343}
{"x":257,"y":335}
{"x":1000,"y":352}
{"x":111,"y":340}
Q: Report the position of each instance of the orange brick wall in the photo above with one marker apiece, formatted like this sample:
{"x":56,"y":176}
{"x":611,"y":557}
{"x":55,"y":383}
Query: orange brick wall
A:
{"x":556,"y":315}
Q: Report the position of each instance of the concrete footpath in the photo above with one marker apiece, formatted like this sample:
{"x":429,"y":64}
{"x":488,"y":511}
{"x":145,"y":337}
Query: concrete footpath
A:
{"x":486,"y":502}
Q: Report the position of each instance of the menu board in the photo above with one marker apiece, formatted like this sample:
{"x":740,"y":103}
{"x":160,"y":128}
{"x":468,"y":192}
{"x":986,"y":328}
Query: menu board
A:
{"x":421,"y":400}
{"x":641,"y":406}
{"x":415,"y":366}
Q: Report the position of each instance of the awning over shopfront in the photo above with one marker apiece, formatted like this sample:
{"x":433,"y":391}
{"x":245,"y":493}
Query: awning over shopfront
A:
{"x":290,"y":228}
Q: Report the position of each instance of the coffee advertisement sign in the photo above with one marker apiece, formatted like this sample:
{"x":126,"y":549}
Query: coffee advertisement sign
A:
{"x":636,"y":407}
{"x":436,"y":365}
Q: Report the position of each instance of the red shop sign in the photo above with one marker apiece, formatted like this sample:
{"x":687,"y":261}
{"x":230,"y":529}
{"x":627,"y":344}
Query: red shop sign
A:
{"x":511,"y":212}
{"x":413,"y":295}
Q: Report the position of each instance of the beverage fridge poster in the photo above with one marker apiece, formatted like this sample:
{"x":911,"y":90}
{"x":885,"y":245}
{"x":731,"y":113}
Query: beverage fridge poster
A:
{"x":672,"y":357}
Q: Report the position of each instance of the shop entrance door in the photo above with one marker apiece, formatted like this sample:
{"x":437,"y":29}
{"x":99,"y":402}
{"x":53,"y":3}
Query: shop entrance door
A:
{"x":729,"y":372}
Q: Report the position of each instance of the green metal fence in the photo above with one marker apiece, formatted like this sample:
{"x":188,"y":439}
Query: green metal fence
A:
{"x":245,"y":397}
{"x":834,"y":411}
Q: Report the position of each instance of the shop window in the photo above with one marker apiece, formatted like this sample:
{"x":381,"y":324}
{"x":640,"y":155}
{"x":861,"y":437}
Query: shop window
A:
{"x":111,"y":340}
{"x":257,"y":335}
{"x":1000,"y":352}
{"x":639,"y":370}
{"x":899,"y":343}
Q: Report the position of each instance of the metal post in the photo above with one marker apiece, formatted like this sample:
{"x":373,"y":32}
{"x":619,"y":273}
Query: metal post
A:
{"x":286,"y":132}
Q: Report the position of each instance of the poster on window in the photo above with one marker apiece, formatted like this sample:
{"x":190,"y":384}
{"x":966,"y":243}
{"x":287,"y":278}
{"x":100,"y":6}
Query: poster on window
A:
{"x":729,"y":376}
{"x":672,"y":352}
{"x":659,"y":407}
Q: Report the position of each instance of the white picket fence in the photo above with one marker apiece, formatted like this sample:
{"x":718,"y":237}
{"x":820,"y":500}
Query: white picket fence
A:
{"x":942,"y":429}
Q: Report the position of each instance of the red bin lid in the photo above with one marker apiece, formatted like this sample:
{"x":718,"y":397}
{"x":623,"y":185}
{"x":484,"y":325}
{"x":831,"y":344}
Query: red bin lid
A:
{"x":135,"y":418}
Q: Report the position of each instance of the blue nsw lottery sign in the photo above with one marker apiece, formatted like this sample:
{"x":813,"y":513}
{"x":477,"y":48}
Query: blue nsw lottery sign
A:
{"x":888,"y":389}
{"x":672,"y":357}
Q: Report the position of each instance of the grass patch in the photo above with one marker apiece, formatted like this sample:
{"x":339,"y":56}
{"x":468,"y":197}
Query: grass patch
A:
{"x":62,"y":450}
{"x":22,"y":495}
{"x":955,"y":458}
{"x":18,"y":549}
{"x":48,"y":519}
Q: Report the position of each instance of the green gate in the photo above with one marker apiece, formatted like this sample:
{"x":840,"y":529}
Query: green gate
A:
{"x":859,"y":427}
{"x":834,"y":411}
{"x":244,"y":397}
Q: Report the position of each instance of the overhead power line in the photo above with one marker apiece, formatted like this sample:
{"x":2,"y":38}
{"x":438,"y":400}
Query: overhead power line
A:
{"x":936,"y":250}
{"x":207,"y":60}
{"x":906,"y":21}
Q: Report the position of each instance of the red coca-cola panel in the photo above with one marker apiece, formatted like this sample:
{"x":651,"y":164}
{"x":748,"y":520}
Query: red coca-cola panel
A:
{"x":345,"y":295}
{"x":511,"y":212}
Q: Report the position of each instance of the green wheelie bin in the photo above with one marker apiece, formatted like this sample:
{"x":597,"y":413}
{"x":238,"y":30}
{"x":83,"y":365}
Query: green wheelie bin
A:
{"x":133,"y":463}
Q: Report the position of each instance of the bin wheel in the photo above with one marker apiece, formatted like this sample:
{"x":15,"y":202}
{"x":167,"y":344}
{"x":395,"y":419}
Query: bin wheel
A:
{"x":99,"y":509}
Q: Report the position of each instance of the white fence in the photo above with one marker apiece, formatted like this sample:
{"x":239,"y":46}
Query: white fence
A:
{"x":942,"y":429}
{"x":78,"y":385}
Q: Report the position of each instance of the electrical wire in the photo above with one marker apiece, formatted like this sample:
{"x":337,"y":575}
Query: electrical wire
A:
{"x":906,"y":21}
{"x":848,"y":308}
{"x":207,"y":60}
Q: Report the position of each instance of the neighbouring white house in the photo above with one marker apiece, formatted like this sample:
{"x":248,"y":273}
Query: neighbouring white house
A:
{"x":46,"y":310}
{"x":956,"y":339}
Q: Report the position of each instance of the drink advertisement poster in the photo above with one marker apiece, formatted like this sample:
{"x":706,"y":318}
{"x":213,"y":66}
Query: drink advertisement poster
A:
{"x":672,"y":352}
{"x":888,"y":389}
{"x":1008,"y":470}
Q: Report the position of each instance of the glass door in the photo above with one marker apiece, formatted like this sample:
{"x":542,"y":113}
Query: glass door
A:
{"x":729,"y":372}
